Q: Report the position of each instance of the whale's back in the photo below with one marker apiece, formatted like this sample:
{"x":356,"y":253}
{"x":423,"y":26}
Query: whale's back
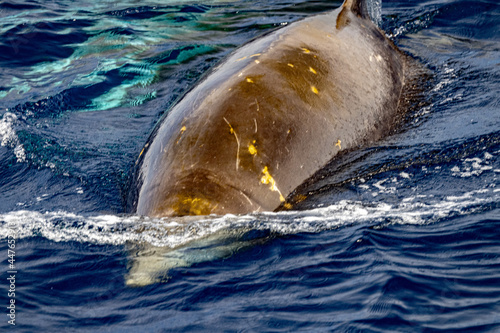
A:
{"x":272,"y":114}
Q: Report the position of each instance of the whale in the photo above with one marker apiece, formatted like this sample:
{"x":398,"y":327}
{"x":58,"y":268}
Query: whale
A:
{"x":270,"y":115}
{"x":260,"y":124}
{"x":150,"y":264}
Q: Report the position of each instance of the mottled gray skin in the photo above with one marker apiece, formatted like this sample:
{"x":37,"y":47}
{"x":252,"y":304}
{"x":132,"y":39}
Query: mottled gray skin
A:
{"x":273,"y":113}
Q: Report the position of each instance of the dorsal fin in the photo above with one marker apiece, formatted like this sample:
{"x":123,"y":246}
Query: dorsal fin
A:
{"x":358,"y":7}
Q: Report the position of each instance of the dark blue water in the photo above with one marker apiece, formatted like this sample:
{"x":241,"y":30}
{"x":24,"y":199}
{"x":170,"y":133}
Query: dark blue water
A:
{"x":401,"y":236}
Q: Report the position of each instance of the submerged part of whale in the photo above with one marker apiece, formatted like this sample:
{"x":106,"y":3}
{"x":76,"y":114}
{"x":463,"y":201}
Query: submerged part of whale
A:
{"x":151,"y":264}
{"x":271,"y":115}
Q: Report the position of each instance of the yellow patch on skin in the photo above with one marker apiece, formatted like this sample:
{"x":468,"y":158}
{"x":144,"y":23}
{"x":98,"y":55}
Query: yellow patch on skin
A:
{"x":241,"y":59}
{"x":255,"y":55}
{"x":183,"y":129}
{"x":314,"y":90}
{"x":300,"y":198}
{"x":268,"y":179}
{"x":338,"y":144}
{"x":306,"y":50}
{"x":257,"y":62}
{"x":251,"y":148}
{"x":142,"y":151}
{"x":312,"y":70}
{"x":249,"y":80}
{"x":287,"y":205}
{"x":195,"y":206}
{"x":291,"y":65}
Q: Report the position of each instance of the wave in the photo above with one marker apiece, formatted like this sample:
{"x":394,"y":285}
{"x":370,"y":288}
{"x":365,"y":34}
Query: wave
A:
{"x":61,"y":226}
{"x":8,"y":137}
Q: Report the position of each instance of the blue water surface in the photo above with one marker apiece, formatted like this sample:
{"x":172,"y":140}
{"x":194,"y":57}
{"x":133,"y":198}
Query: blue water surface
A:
{"x":400,"y":236}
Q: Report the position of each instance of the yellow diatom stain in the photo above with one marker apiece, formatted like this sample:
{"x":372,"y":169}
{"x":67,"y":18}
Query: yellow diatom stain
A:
{"x":300,"y":198}
{"x":193,"y":206}
{"x":241,"y":59}
{"x":314,"y":90}
{"x":252,"y":149}
{"x":306,"y":50}
{"x":338,"y":144}
{"x":312,"y":70}
{"x":255,"y":55}
{"x":287,"y":205}
{"x":257,"y":62}
{"x":142,"y":151}
{"x":182,"y":130}
{"x":291,"y":65}
{"x":268,"y":179}
{"x":249,"y":80}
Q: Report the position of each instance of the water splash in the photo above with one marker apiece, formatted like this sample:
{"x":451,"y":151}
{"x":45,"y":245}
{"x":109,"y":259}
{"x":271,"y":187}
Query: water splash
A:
{"x":173,"y":232}
{"x":9,"y":138}
{"x":375,"y":11}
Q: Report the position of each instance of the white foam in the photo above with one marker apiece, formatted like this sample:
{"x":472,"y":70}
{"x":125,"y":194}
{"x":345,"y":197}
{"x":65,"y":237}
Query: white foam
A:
{"x":405,"y":175}
{"x":171,"y":232}
{"x":8,"y":136}
{"x":375,"y":11}
{"x":473,"y":167}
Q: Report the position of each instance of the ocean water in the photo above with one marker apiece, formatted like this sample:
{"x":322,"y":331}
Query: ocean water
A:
{"x":400,"y":236}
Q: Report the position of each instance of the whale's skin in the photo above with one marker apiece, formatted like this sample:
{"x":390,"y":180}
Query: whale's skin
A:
{"x":273,"y":113}
{"x":150,"y":264}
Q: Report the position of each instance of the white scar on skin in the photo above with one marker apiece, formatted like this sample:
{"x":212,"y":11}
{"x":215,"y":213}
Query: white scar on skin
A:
{"x":237,"y":142}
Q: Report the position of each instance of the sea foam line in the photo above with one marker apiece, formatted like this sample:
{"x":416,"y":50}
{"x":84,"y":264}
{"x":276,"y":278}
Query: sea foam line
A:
{"x":62,"y":226}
